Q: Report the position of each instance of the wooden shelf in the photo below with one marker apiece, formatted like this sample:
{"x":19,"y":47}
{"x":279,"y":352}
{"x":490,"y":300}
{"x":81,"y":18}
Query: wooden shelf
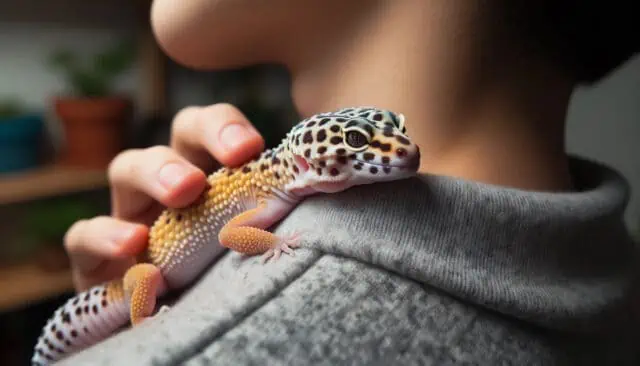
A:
{"x":47,"y":182}
{"x":27,"y":283}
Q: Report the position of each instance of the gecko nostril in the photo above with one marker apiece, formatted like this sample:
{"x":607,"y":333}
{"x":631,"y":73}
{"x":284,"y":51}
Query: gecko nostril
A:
{"x":401,"y":152}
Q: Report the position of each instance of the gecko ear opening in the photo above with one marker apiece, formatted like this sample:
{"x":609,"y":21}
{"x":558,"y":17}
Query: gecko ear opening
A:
{"x":301,"y":162}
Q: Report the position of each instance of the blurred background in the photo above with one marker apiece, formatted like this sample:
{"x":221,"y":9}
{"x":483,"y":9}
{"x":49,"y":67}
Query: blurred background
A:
{"x":82,"y":80}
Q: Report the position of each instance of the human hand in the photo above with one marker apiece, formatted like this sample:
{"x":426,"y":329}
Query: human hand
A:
{"x":144,"y":181}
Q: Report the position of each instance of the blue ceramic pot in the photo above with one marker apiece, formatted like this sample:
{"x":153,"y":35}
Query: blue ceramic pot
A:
{"x":19,"y":142}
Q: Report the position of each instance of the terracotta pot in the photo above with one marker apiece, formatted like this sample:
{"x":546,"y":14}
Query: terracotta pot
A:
{"x":93,"y":129}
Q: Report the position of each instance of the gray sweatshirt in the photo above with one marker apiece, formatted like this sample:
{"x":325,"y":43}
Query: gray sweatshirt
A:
{"x":426,"y":271}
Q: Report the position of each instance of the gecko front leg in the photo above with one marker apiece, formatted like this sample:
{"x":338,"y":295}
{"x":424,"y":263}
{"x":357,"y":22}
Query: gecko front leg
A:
{"x":246,"y":233}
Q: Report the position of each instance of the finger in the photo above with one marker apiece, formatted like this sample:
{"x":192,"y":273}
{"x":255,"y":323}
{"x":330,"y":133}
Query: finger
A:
{"x":138,"y":177}
{"x":90,"y":242}
{"x":217,"y":132}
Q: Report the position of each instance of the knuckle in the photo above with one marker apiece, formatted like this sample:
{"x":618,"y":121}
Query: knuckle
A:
{"x":72,"y":237}
{"x":222,"y":108}
{"x":158,"y":151}
{"x":184,"y":121}
{"x":121,"y":164}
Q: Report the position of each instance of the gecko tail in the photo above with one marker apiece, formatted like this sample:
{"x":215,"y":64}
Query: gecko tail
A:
{"x":84,"y":320}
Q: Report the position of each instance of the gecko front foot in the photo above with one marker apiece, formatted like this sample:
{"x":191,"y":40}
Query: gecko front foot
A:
{"x":163,"y":309}
{"x":285,"y":244}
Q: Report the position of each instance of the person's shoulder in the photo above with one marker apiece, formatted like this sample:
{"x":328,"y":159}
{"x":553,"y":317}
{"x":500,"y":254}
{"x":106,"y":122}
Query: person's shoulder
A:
{"x":339,"y":310}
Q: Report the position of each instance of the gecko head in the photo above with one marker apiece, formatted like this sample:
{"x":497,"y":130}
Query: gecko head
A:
{"x":352,"y":146}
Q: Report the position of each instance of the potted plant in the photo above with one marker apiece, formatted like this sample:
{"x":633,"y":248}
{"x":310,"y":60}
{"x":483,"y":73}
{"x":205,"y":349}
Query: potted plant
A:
{"x":20,"y":134}
{"x":93,"y":116}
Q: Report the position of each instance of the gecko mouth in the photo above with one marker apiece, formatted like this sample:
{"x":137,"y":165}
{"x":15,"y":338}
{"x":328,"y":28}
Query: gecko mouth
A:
{"x":413,"y":164}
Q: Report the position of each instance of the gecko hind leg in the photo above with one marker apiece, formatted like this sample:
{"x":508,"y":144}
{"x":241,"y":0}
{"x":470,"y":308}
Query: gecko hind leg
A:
{"x":143,"y":284}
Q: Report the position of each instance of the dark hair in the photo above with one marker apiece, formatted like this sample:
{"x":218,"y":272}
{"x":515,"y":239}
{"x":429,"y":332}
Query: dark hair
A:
{"x":588,"y":39}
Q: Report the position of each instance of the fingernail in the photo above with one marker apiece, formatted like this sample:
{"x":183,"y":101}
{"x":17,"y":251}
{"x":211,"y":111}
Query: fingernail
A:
{"x":173,"y":174}
{"x":234,"y":135}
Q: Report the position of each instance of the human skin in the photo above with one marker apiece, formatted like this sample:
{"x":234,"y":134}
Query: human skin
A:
{"x":480,"y":106}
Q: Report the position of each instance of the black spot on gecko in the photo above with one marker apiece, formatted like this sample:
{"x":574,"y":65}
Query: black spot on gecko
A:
{"x":66,"y":317}
{"x":340,"y":119}
{"x":387,"y":131}
{"x":385,"y":147}
{"x":285,"y":163}
{"x":319,"y":171}
{"x":322,"y":150}
{"x":386,"y":160}
{"x":335,"y":128}
{"x":59,"y":335}
{"x":307,"y":153}
{"x":369,"y":129}
{"x":76,"y":301}
{"x":95,"y":309}
{"x":311,"y":124}
{"x":342,"y":159}
{"x":373,"y":170}
{"x":336,"y":140}
{"x":263,"y":167}
{"x":324,"y":121}
{"x":341,"y":151}
{"x":104,"y":303}
{"x":86,"y":309}
{"x":178,"y":217}
{"x":307,"y":138}
{"x":295,"y":169}
{"x":275,"y":161}
{"x":78,"y":311}
{"x":353,"y":156}
{"x":386,"y":169}
{"x":403,"y":140}
{"x":321,"y":135}
{"x":276,"y":175}
{"x":74,"y":333}
{"x":351,"y":124}
{"x":334,"y":172}
{"x":87,"y":297}
{"x":368,"y":156}
{"x":53,"y":328}
{"x":246,"y":169}
{"x":96,"y":291}
{"x":377,"y":117}
{"x":322,"y":163}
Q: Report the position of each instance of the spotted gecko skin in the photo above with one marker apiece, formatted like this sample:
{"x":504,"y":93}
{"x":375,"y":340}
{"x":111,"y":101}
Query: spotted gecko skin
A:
{"x":326,"y":153}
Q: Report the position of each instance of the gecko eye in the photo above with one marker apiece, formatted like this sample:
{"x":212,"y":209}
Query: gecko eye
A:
{"x":356,"y":139}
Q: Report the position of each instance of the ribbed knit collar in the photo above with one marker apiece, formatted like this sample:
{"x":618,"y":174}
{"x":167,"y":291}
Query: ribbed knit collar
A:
{"x":560,"y":260}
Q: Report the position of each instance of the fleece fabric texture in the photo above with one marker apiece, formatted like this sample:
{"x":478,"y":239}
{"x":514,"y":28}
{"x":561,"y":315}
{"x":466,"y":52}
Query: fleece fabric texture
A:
{"x":426,"y":271}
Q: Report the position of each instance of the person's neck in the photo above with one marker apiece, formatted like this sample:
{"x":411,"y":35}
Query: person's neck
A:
{"x":470,"y":119}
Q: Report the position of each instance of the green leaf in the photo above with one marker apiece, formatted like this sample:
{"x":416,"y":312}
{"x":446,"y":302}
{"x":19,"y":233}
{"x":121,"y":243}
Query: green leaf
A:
{"x":94,"y":77}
